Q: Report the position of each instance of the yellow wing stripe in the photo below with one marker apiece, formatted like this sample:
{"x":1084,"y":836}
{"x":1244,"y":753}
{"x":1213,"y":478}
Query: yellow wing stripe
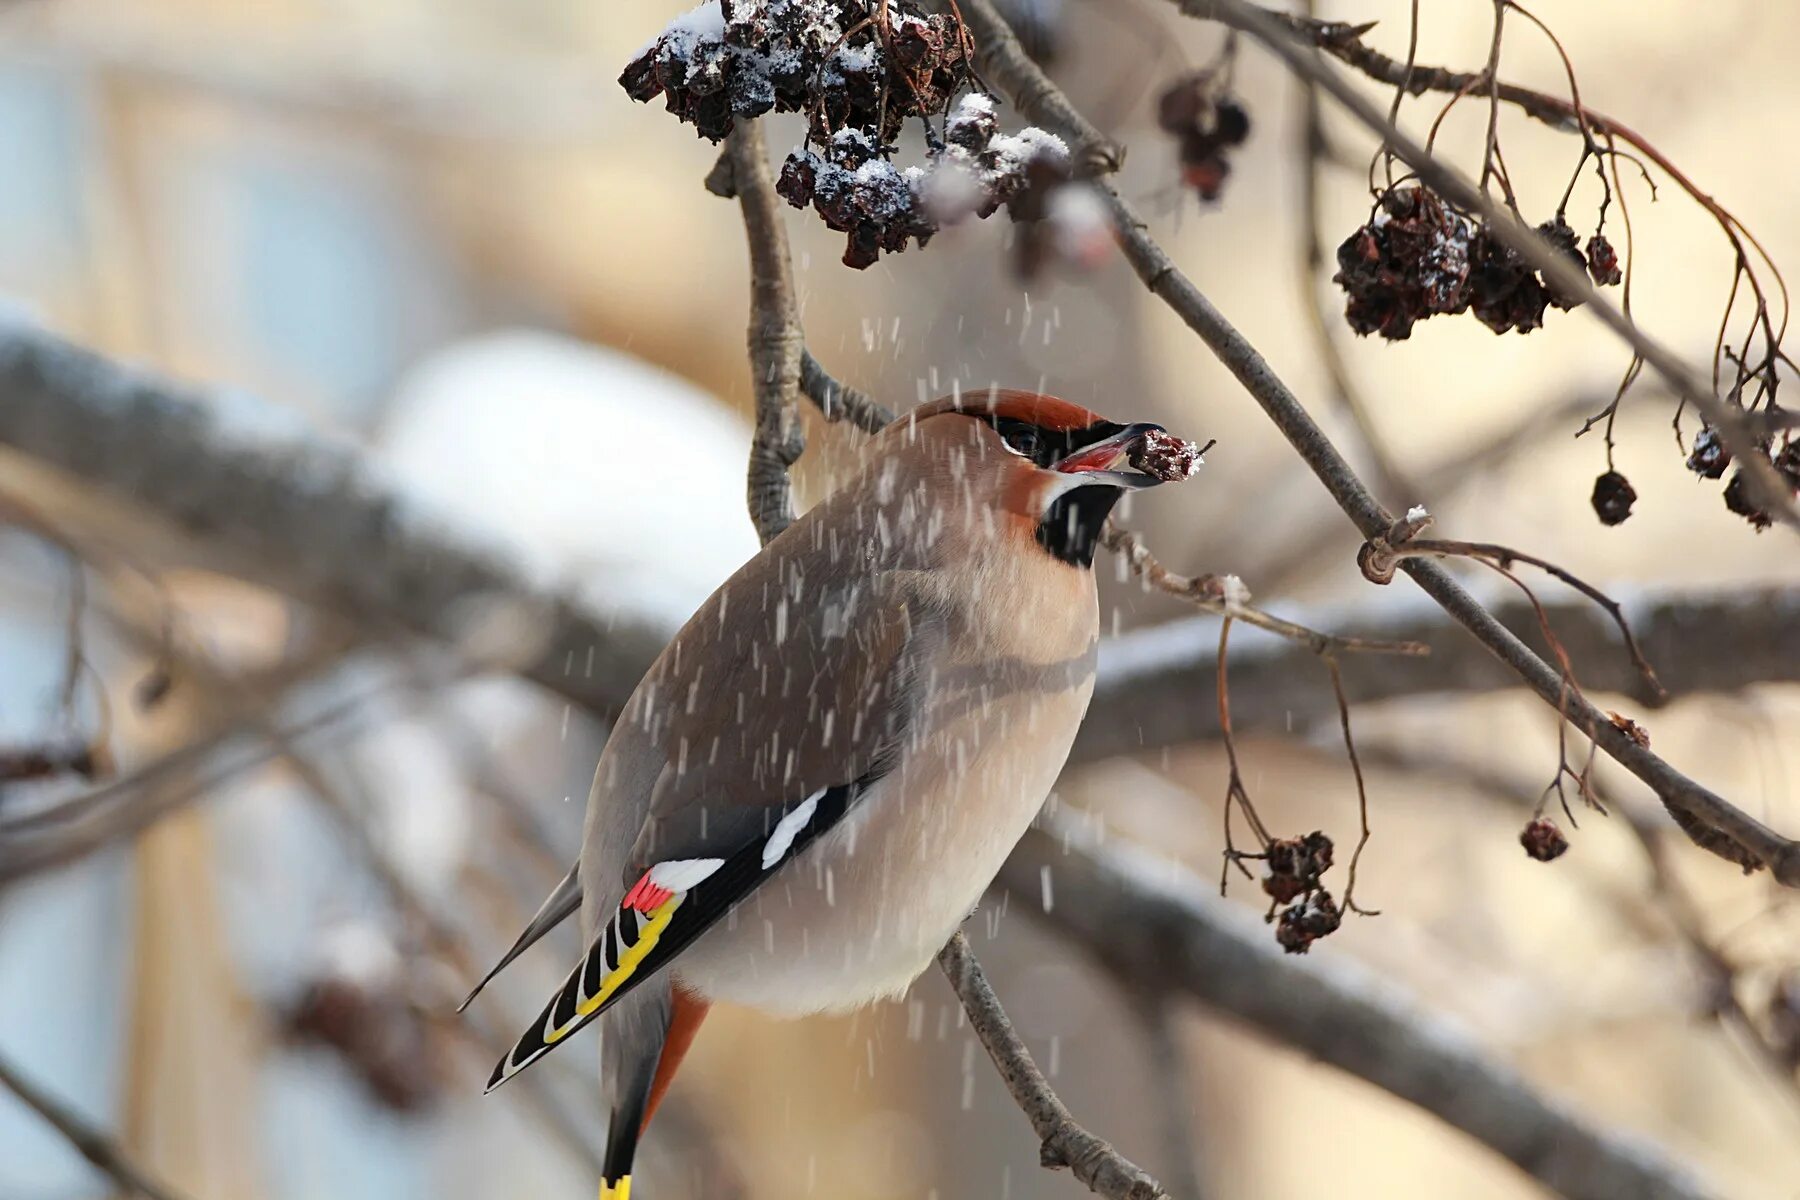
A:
{"x":629,"y":961}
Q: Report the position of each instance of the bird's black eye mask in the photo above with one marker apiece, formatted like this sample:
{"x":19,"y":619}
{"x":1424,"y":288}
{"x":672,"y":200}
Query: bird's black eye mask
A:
{"x":1046,"y":447}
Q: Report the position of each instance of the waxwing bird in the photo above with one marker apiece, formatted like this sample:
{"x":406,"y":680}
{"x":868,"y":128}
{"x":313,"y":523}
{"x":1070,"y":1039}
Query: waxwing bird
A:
{"x":811,"y":788}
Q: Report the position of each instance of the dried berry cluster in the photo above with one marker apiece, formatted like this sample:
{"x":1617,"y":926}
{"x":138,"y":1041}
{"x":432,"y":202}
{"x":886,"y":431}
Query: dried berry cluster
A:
{"x":1709,"y":459}
{"x":1291,"y":871}
{"x":742,"y":58}
{"x":854,"y":187}
{"x":1206,"y":122}
{"x":1543,"y":840}
{"x":858,"y":74}
{"x":1171,"y":458}
{"x":379,"y":1033}
{"x":1418,"y":258}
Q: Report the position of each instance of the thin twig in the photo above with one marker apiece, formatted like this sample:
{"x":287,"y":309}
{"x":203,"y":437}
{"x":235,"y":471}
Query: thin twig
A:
{"x":838,"y":402}
{"x":1103,"y":1169}
{"x":101,"y":1150}
{"x":1213,"y":594}
{"x":1362,"y":790}
{"x":1384,"y":556}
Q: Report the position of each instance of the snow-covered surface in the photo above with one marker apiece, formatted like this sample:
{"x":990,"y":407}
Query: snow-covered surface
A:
{"x":599,"y":471}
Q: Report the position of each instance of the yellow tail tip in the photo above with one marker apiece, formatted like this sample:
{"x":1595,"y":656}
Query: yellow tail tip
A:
{"x":616,"y":1191}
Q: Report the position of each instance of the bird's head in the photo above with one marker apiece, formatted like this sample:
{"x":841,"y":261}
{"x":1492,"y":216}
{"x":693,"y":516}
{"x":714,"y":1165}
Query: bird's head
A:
{"x":1056,"y":468}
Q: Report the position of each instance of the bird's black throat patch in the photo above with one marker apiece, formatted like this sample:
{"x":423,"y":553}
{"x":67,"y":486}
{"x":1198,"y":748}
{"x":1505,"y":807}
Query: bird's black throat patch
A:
{"x":1071,"y":526}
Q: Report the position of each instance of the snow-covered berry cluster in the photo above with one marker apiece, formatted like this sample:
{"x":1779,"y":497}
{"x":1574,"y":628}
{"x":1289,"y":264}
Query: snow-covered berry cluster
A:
{"x":1710,"y":458}
{"x":1419,"y":258}
{"x":1170,"y":458}
{"x":1291,"y":871}
{"x":742,"y":58}
{"x":858,"y":191}
{"x":857,"y":78}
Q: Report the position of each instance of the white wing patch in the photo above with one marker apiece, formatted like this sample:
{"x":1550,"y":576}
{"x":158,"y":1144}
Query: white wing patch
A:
{"x":781,"y":839}
{"x":683,"y":874}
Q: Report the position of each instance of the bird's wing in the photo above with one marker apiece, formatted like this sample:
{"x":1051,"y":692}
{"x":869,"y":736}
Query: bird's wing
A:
{"x":670,"y":905}
{"x":787,"y":695}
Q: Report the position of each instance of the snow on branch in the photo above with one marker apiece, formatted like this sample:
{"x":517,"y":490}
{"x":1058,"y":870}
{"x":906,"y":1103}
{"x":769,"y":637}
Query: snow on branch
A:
{"x":314,"y":520}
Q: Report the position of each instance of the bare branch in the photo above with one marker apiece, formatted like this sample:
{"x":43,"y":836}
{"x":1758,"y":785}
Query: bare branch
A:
{"x":776,"y":343}
{"x":1154,"y":686}
{"x":1006,"y":62}
{"x":1157,"y":927}
{"x":1104,"y":1170}
{"x":1213,"y":594}
{"x":840,"y":403}
{"x":95,"y":1146}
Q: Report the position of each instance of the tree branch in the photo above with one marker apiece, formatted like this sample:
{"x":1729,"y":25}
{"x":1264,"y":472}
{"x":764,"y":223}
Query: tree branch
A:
{"x":776,"y":343}
{"x":98,"y":1148}
{"x":1159,"y":928}
{"x":1154,"y":683}
{"x":840,"y":403}
{"x":1005,"y":61}
{"x":1104,"y":1170}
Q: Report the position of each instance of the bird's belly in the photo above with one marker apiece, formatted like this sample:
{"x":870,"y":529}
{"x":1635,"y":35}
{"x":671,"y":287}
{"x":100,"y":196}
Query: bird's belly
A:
{"x":863,"y":910}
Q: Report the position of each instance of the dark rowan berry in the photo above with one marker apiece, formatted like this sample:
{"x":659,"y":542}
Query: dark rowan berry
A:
{"x":1506,"y":294}
{"x":1603,"y":261}
{"x":1740,"y":499}
{"x":1556,"y":231}
{"x":1787,"y":463}
{"x":1613,"y":498}
{"x":1709,"y":457}
{"x":1543,"y":840}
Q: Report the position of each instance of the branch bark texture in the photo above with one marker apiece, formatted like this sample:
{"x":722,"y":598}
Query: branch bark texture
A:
{"x":776,"y":342}
{"x":1092,"y":1160}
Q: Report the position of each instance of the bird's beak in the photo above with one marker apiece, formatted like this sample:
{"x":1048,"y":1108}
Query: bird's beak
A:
{"x":1098,"y":462}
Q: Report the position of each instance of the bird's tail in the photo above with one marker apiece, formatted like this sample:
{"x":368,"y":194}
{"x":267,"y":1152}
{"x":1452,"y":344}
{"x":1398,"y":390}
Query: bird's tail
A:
{"x":640,"y":1075}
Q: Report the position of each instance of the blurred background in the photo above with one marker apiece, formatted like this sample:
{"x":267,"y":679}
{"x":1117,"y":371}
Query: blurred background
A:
{"x":443,"y":236}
